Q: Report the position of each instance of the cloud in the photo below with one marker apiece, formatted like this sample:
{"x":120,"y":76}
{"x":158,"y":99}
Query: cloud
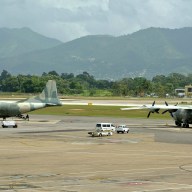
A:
{"x":70,"y":19}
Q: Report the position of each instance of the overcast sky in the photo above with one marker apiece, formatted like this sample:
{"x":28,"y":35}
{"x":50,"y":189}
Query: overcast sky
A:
{"x":70,"y":19}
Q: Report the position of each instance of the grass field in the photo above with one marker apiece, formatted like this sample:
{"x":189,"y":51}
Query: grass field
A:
{"x":97,"y":111}
{"x":100,"y":111}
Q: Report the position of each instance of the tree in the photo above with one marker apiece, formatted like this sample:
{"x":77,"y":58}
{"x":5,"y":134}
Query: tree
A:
{"x":10,"y":84}
{"x":159,"y":79}
{"x":5,"y":74}
{"x":142,"y":85}
{"x":67,"y":75}
{"x":54,"y":73}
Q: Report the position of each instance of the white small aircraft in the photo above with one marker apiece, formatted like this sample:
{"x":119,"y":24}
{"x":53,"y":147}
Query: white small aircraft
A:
{"x":181,"y":114}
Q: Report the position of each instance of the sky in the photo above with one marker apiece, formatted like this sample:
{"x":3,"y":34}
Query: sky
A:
{"x":70,"y":19}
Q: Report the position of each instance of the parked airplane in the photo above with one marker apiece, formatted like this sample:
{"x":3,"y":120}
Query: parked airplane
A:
{"x":181,"y":114}
{"x":47,"y":98}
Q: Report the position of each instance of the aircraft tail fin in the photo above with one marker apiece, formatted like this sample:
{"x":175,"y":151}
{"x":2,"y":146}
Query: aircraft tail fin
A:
{"x":48,"y":96}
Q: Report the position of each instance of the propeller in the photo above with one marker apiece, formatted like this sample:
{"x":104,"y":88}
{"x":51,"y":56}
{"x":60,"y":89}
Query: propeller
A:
{"x":170,"y":110}
{"x":149,"y":114}
{"x":167,"y":109}
{"x":152,"y":109}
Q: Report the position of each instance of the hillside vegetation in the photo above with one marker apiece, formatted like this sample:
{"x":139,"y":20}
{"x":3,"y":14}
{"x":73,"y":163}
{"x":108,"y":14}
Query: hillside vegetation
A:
{"x":15,"y":42}
{"x":144,"y":53}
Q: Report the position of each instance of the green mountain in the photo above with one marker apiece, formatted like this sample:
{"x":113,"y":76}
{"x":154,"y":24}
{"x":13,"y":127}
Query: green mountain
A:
{"x":19,"y":41}
{"x":145,"y":53}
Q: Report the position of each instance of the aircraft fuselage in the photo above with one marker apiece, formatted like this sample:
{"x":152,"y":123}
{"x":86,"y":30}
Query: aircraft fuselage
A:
{"x":183,"y":116}
{"x":16,"y":109}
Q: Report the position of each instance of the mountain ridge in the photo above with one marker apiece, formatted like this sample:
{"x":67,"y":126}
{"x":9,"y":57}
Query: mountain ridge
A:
{"x":16,"y":41}
{"x":147,"y":52}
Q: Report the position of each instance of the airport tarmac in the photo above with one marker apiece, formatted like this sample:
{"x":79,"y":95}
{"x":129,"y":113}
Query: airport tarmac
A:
{"x":55,"y":153}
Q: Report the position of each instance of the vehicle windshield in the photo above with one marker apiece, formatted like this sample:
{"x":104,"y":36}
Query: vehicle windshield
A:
{"x":121,"y":125}
{"x":98,"y":125}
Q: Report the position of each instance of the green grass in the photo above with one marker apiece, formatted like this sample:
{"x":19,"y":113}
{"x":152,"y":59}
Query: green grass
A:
{"x":97,"y":111}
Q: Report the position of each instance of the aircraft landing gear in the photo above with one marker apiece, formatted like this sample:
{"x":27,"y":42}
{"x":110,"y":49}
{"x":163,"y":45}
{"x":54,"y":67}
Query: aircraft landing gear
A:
{"x":23,"y":117}
{"x":185,"y":125}
{"x":27,"y":117}
{"x":178,"y":123}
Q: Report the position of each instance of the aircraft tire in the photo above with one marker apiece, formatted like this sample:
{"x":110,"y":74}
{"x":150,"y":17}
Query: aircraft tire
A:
{"x":178,"y":123}
{"x":185,"y":125}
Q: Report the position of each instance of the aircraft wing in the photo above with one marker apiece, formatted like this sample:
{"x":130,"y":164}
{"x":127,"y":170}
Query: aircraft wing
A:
{"x":150,"y":107}
{"x":155,"y":108}
{"x":134,"y":108}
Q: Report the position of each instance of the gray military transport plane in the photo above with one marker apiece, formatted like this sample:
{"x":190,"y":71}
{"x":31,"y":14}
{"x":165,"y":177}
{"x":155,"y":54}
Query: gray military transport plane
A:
{"x":181,"y":114}
{"x":47,"y":98}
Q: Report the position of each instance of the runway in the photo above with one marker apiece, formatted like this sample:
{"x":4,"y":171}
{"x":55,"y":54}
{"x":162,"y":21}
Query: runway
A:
{"x":55,"y":153}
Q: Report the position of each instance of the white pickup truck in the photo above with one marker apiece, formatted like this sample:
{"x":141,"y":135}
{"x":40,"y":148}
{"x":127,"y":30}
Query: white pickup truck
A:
{"x":122,"y":129}
{"x":11,"y":123}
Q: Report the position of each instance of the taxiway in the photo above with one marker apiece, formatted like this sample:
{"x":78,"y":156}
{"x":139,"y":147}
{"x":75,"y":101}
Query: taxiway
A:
{"x":55,"y":153}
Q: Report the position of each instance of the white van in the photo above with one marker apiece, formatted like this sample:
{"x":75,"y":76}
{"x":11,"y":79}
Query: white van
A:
{"x":105,"y":126}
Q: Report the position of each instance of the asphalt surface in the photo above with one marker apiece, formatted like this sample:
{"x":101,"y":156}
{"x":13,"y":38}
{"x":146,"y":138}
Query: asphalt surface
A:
{"x":55,"y":153}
